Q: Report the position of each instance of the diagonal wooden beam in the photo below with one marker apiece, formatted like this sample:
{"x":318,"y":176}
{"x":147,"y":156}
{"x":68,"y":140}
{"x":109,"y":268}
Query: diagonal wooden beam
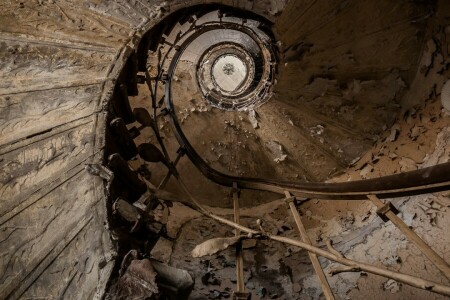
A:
{"x":385,"y":211}
{"x":312,"y":256}
{"x":239,"y":258}
{"x":400,"y":277}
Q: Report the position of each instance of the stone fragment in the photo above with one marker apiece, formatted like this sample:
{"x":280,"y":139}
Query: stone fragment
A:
{"x":408,"y":218}
{"x":277,"y":150}
{"x":392,"y":260}
{"x":353,"y":162}
{"x":416,"y":131}
{"x":297,"y":288}
{"x":393,"y":155}
{"x":427,"y":58}
{"x":407,"y":164}
{"x":445,"y":95}
{"x":394,"y":133}
{"x":366,"y":171}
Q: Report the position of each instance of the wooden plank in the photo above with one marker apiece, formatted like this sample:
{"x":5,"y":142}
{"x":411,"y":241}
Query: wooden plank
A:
{"x":312,"y":256}
{"x":30,"y":113}
{"x":24,"y":65}
{"x":134,"y":13}
{"x":239,"y":255}
{"x":25,"y":170}
{"x":32,"y":235}
{"x":28,"y":38}
{"x":79,"y":271}
{"x":438,"y":261}
{"x":50,"y":259}
{"x":62,"y":21}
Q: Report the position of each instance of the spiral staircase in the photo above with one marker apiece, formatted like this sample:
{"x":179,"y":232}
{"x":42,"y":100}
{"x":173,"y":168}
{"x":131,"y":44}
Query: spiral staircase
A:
{"x":266,"y":95}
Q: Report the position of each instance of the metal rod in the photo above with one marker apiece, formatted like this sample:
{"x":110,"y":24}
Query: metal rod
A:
{"x":169,"y":173}
{"x":438,"y":261}
{"x":239,"y":256}
{"x":313,"y":257}
{"x":155,"y":119}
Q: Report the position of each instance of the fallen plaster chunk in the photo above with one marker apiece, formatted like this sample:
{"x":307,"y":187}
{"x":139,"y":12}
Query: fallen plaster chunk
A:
{"x":348,"y":221}
{"x":445,"y":95}
{"x":394,"y":133}
{"x":392,"y":260}
{"x":408,"y":218}
{"x":416,"y":131}
{"x":353,"y":162}
{"x":441,"y":153}
{"x":427,"y":58}
{"x":317,"y":130}
{"x":366,"y":170}
{"x":392,"y":286}
{"x":277,"y":150}
{"x":392,"y":155}
{"x":276,"y":7}
{"x":252,"y":116}
{"x":407,"y":164}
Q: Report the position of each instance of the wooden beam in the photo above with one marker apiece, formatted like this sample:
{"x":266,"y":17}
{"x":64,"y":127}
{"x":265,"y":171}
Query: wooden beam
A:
{"x":355,"y":265}
{"x":438,"y":261}
{"x":239,"y":257}
{"x":312,"y":256}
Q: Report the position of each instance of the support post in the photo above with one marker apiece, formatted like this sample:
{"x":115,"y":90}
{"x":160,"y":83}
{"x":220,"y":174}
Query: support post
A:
{"x":389,"y":214}
{"x":240,"y":288}
{"x":239,"y":258}
{"x":313,"y":257}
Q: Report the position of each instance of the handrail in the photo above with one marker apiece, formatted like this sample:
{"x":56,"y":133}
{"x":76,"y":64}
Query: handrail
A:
{"x":421,"y":181}
{"x":426,"y":180}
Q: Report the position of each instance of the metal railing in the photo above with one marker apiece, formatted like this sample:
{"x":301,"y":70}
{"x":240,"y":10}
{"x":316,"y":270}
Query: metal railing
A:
{"x":427,"y":180}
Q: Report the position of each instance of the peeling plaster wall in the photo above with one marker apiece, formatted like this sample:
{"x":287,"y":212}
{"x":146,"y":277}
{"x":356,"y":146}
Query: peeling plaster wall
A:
{"x":344,"y":69}
{"x":414,"y":135}
{"x":274,"y":271}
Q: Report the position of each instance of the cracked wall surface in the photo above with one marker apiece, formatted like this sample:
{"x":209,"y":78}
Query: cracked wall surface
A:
{"x":275,"y":271}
